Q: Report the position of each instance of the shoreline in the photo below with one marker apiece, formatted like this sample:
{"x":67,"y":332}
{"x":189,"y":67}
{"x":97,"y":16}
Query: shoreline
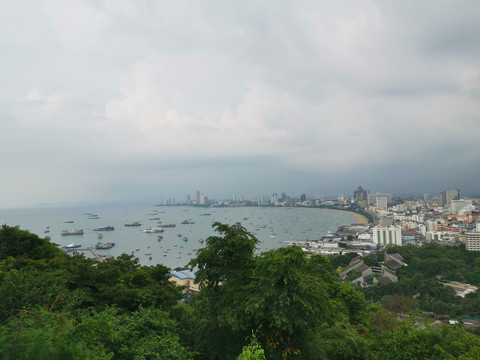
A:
{"x":359,"y":219}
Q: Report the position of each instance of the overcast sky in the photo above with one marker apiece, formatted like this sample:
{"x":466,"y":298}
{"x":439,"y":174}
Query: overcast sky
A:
{"x":108,"y":100}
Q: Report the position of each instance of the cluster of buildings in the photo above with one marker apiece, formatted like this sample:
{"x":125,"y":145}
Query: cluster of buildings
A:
{"x":448,"y":218}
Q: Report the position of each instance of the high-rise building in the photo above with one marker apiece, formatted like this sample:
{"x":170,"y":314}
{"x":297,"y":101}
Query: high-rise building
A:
{"x":472,"y":241}
{"x":372,"y":198}
{"x":382,"y":202}
{"x":303,"y":197}
{"x":200,"y":199}
{"x":274,"y":199}
{"x":387,"y":235}
{"x":461,"y":206}
{"x":447,"y":196}
{"x":360,"y":194}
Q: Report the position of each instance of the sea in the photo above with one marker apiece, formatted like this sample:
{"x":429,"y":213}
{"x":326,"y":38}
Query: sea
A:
{"x":273,"y":226}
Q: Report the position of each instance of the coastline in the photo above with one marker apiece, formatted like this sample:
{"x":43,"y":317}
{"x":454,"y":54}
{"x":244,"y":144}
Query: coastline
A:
{"x":359,"y":219}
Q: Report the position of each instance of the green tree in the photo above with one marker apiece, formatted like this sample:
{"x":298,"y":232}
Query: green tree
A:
{"x":228,"y":257}
{"x":20,"y":243}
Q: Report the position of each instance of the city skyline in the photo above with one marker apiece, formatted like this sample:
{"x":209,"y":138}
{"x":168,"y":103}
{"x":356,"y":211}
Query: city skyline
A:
{"x":121,"y":100}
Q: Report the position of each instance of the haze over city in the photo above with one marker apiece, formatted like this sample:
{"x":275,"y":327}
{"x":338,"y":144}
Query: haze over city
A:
{"x":116,"y":100}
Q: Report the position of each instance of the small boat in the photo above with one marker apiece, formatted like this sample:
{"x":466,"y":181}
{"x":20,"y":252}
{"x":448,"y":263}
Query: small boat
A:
{"x":153,"y":230}
{"x":185,"y":238}
{"x":150,"y":258}
{"x":200,"y":241}
{"x":160,"y":238}
{"x":100,"y":236}
{"x":133,"y":223}
{"x":189,"y":253}
{"x":104,"y":246}
{"x":69,"y":222}
{"x":72,"y":232}
{"x":179,"y":235}
{"x":149,"y":253}
{"x":166,"y":225}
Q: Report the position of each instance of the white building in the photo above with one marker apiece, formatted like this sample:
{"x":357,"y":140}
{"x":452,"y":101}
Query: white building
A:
{"x":472,"y":241}
{"x":382,"y":202}
{"x":387,"y":235}
{"x":461,"y":206}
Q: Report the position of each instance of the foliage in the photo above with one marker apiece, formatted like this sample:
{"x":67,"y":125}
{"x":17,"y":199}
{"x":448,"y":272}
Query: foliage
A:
{"x":55,"y":306}
{"x":252,"y":351}
{"x":19,"y":243}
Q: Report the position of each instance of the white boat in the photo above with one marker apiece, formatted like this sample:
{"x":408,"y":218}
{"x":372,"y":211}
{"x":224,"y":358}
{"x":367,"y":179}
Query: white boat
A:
{"x":153,"y":230}
{"x":73,"y":246}
{"x":72,"y":232}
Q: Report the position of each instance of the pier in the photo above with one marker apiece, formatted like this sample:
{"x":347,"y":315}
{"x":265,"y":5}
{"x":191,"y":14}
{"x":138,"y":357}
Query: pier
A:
{"x":94,"y":251}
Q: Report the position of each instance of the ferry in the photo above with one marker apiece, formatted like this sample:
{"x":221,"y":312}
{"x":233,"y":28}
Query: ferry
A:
{"x":106,"y":228}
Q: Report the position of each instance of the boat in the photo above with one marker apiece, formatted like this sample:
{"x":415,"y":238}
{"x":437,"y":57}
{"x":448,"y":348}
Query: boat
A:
{"x":153,"y":230}
{"x":69,"y":222}
{"x":73,"y":246}
{"x":133,"y":223}
{"x":189,"y":253}
{"x":72,"y":232}
{"x":188,"y":222}
{"x":149,"y":253}
{"x":200,"y":241}
{"x":104,"y":246}
{"x":166,"y":225}
{"x":185,"y":238}
{"x":100,"y":236}
{"x":157,"y":218}
{"x":106,"y":228}
{"x":160,"y":238}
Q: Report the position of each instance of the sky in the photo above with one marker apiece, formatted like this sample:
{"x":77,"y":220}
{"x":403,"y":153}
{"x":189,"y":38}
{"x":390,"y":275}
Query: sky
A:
{"x":112,"y":100}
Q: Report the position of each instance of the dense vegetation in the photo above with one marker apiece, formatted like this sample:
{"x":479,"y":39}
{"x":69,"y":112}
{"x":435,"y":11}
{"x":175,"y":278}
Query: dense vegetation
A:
{"x":280,"y":304}
{"x":428,"y":265}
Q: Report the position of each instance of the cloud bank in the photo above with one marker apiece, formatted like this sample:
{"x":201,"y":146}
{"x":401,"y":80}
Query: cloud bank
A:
{"x":126,"y":99}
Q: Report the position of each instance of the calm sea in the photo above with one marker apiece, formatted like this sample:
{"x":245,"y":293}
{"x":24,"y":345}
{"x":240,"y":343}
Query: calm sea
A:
{"x":272,"y":226}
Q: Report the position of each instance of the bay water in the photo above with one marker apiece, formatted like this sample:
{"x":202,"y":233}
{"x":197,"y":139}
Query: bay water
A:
{"x":271,"y":225}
